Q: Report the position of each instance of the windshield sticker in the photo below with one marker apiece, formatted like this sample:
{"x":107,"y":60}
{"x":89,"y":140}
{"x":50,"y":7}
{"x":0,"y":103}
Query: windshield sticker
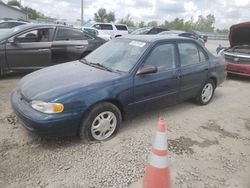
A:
{"x":137,"y":43}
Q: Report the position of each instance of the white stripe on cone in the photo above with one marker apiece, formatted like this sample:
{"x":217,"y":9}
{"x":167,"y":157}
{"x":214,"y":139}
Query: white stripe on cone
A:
{"x":158,"y":161}
{"x":160,"y":142}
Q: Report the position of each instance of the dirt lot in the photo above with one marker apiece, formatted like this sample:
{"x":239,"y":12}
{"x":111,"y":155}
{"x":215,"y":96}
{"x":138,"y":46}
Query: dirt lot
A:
{"x":210,"y":146}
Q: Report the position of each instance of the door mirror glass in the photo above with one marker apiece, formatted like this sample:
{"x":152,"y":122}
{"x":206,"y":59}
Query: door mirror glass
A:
{"x":11,"y":40}
{"x":148,"y":69}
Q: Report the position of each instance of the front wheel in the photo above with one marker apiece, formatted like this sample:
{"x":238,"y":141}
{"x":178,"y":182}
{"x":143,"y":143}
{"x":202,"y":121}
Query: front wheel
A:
{"x":101,"y":123}
{"x":206,"y":93}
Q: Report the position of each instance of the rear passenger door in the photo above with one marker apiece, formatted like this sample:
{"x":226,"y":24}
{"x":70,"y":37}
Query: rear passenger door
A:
{"x":194,"y":69}
{"x":69,"y":44}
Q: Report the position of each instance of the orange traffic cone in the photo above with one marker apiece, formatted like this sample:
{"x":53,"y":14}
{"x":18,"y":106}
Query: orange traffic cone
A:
{"x":157,"y":170}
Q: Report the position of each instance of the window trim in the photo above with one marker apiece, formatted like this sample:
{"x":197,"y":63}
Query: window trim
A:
{"x":155,"y":46}
{"x":198,"y":49}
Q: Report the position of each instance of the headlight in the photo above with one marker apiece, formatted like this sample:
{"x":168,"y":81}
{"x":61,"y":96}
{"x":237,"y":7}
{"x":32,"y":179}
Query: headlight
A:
{"x":48,"y":108}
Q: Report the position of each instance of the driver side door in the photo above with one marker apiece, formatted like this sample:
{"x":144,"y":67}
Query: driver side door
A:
{"x":163,"y":86}
{"x":30,"y":49}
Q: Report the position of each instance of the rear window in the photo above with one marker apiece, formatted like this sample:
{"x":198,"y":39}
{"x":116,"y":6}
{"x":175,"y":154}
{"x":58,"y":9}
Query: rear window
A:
{"x":121,"y":27}
{"x":103,"y":26}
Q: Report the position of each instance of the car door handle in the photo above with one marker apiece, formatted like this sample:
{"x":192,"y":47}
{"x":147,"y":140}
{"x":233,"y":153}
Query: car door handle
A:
{"x":80,"y":47}
{"x":43,"y":50}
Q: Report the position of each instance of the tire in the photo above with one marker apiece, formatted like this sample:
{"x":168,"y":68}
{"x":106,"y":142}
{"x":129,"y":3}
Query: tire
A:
{"x":204,"y":98}
{"x":95,"y":125}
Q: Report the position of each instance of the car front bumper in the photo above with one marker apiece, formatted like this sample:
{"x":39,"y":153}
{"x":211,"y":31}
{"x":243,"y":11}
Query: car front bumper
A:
{"x":64,"y":124}
{"x":239,"y":69}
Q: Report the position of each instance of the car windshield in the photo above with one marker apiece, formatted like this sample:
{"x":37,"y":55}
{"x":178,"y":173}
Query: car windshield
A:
{"x":118,"y":55}
{"x":141,"y":31}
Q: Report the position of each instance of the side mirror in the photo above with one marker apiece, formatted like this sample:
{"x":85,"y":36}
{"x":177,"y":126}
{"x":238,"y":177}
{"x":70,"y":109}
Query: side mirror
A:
{"x":147,"y":70}
{"x":11,"y":40}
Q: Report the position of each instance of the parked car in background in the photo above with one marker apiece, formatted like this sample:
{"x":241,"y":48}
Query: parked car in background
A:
{"x":149,"y":31}
{"x":6,"y":25}
{"x":191,"y":35}
{"x":237,"y":56}
{"x":32,"y":46}
{"x":96,"y":32}
{"x":114,"y":30}
{"x":90,"y":97}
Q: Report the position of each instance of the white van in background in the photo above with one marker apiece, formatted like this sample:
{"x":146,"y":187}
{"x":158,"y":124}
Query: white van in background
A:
{"x":114,"y":30}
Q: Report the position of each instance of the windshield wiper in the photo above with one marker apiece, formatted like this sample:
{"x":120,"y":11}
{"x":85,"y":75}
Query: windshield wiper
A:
{"x":97,"y":65}
{"x":102,"y":66}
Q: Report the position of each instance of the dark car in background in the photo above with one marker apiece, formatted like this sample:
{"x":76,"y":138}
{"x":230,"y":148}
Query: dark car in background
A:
{"x":187,"y":34}
{"x":132,"y":73}
{"x":149,"y":31}
{"x":237,"y":55}
{"x":31,"y":46}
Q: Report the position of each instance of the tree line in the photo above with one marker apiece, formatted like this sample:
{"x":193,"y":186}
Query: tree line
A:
{"x":203,"y":24}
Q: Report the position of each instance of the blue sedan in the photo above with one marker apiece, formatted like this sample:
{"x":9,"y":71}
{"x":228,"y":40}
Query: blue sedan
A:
{"x":91,"y":97}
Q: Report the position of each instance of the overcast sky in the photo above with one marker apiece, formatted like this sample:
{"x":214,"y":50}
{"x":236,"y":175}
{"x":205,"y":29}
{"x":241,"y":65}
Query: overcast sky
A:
{"x":227,"y":12}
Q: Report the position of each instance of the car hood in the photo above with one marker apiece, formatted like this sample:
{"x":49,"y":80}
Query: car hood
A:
{"x":239,"y":34}
{"x":49,"y":83}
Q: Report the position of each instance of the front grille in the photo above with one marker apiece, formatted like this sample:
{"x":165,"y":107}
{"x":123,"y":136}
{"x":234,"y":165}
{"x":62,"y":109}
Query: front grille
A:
{"x":237,"y":60}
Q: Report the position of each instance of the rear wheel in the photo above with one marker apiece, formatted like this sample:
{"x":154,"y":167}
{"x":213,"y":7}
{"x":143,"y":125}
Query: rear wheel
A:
{"x":101,"y":123}
{"x":206,"y":93}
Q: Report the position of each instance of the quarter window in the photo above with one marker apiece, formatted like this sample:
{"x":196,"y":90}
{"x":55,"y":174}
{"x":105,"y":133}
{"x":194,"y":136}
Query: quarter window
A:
{"x":203,"y":57}
{"x":121,"y":27}
{"x":189,"y":54}
{"x":38,"y":35}
{"x":163,"y":57}
{"x":68,"y":34}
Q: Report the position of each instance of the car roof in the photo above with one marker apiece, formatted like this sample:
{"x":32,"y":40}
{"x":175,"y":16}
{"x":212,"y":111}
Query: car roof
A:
{"x":154,"y":38}
{"x":32,"y":25}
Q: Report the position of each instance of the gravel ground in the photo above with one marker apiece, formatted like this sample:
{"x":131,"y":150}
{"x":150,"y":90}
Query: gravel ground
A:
{"x":210,"y":146}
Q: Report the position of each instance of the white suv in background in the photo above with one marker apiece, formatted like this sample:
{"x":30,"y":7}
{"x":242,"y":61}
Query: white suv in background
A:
{"x":114,"y":30}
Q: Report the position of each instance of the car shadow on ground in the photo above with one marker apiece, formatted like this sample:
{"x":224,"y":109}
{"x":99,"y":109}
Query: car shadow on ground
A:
{"x":238,"y":78}
{"x":12,"y":76}
{"x":127,"y":125}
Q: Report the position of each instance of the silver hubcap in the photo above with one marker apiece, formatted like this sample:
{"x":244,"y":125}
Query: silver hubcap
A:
{"x":207,"y":92}
{"x":103,"y":125}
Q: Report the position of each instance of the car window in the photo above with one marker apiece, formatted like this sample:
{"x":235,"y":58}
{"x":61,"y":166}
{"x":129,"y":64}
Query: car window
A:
{"x":68,"y":34}
{"x":188,"y":54}
{"x":121,"y":27}
{"x":203,"y":56}
{"x":38,"y":35}
{"x":91,"y":31}
{"x":86,"y":36}
{"x":5,"y":25}
{"x":103,"y":26}
{"x":163,"y":57}
{"x":153,"y":31}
